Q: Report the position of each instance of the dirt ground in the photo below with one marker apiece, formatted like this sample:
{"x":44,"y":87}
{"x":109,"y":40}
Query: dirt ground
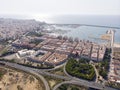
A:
{"x":15,"y":80}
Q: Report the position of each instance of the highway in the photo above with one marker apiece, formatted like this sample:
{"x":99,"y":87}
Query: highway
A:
{"x":72,"y":80}
{"x":52,"y":75}
{"x":27,"y":69}
{"x":76,"y":83}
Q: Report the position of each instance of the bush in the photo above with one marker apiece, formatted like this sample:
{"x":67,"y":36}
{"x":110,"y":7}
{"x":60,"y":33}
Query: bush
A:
{"x":80,"y":70}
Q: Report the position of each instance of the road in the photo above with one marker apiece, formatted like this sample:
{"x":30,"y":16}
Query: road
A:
{"x":38,"y":73}
{"x":52,"y":75}
{"x":26,"y":69}
{"x":74,"y":82}
{"x":79,"y":83}
{"x":112,"y":49}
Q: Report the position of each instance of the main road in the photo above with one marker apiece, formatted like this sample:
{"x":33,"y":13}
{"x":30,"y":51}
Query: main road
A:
{"x":26,"y":69}
{"x":72,"y":80}
{"x":82,"y":83}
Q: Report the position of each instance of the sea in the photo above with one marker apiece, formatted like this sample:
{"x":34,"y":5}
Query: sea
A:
{"x":86,"y":32}
{"x":81,"y":31}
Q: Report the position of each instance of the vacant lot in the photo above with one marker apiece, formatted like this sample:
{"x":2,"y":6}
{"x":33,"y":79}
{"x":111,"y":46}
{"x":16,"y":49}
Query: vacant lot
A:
{"x":15,"y":80}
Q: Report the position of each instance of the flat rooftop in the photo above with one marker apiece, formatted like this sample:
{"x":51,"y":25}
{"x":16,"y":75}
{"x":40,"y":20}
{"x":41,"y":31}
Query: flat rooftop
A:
{"x":57,"y":50}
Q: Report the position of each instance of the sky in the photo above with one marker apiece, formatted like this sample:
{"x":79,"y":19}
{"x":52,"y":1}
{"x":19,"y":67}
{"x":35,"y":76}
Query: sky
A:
{"x":47,"y":8}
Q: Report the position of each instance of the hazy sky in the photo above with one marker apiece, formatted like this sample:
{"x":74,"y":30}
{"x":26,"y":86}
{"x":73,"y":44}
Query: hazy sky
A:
{"x":59,"y":7}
